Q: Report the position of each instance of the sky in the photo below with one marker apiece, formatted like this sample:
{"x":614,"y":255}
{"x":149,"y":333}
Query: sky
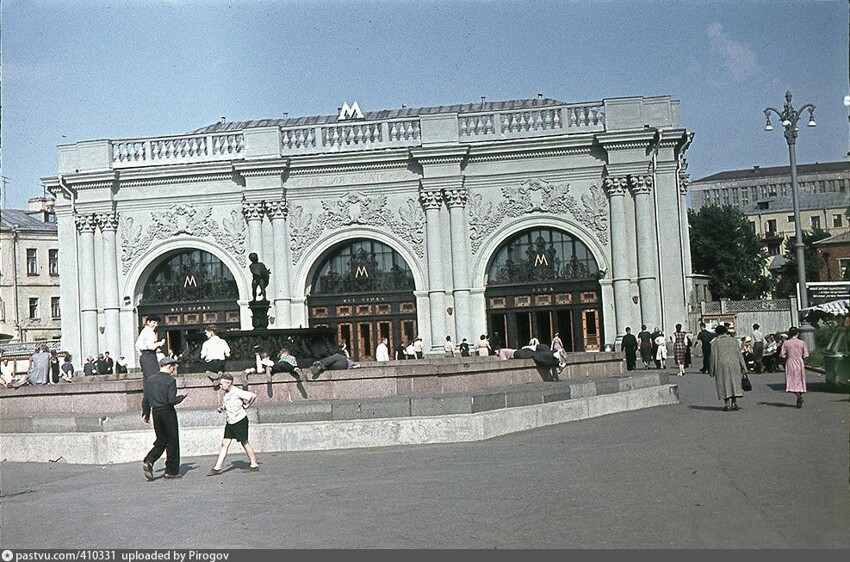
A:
{"x":76,"y":70}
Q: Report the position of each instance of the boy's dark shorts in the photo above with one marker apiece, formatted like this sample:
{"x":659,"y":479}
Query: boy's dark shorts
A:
{"x":237,"y":431}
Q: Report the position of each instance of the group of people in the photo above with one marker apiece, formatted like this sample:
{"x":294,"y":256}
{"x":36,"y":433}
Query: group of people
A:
{"x":727,"y":363}
{"x":652,"y":347}
{"x":160,"y":396}
{"x":45,"y":367}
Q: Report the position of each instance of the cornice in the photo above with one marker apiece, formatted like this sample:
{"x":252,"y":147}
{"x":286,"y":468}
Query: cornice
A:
{"x":627,"y":140}
{"x":168,"y":175}
{"x":537,"y":147}
{"x":143,"y":182}
{"x":361,"y":161}
{"x":452,"y":154}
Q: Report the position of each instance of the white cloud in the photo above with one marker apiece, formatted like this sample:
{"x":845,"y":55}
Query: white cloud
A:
{"x":737,"y":57}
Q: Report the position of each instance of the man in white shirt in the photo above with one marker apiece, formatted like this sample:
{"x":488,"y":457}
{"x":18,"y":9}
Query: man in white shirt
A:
{"x":382,"y":353}
{"x":147,"y":346}
{"x":214,"y":351}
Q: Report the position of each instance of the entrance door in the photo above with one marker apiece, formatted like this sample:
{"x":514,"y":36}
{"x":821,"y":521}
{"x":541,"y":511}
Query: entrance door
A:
{"x":364,"y":349}
{"x":590,"y":327}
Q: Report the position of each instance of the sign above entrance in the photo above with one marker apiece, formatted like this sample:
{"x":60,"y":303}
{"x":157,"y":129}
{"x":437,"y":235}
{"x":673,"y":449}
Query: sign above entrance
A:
{"x":347,"y":112}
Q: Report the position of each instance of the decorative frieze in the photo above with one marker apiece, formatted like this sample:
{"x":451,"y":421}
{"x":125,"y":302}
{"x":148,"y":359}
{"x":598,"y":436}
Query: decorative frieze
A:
{"x":181,"y":219}
{"x":537,"y":196}
{"x":356,"y":208}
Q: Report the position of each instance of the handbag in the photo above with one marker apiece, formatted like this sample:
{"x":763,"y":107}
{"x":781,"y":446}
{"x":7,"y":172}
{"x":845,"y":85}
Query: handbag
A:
{"x":745,"y":383}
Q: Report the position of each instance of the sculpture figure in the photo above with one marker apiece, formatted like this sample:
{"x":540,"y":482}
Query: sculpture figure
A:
{"x":260,"y":277}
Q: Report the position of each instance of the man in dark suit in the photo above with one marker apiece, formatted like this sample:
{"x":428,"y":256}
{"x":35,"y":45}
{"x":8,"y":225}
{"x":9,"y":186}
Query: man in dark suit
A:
{"x":630,"y":346}
{"x":160,"y":397}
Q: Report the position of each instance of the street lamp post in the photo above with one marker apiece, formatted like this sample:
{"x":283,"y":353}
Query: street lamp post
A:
{"x":789,"y":117}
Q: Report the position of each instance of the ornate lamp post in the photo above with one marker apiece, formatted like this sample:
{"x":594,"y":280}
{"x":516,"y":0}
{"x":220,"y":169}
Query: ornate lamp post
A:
{"x":789,"y":117}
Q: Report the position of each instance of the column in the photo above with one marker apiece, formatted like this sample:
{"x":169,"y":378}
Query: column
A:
{"x":616,"y":189}
{"x":86,"y":225}
{"x":108,"y":223}
{"x":650,"y":303}
{"x":431,"y":201}
{"x":277,"y":212}
{"x":456,"y":202}
{"x":253,"y":213}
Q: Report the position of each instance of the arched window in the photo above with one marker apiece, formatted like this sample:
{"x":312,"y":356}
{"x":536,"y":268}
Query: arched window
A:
{"x":362,"y":266}
{"x":188,"y":276}
{"x":539,"y":255}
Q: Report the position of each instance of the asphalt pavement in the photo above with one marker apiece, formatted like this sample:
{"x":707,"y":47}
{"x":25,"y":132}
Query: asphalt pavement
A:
{"x":683,"y":476}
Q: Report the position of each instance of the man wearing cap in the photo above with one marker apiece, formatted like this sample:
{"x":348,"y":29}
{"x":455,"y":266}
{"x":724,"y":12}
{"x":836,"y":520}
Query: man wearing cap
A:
{"x":160,"y":397}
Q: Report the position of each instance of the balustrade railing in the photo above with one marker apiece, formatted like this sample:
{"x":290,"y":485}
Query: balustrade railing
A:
{"x":362,"y":135}
{"x":172,"y":150}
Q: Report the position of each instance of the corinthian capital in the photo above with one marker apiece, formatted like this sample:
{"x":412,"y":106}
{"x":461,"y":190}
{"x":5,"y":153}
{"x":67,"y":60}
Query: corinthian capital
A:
{"x":86,"y":223}
{"x":253,"y":211}
{"x":455,"y":197}
{"x":641,"y":185}
{"x":107,"y":221}
{"x":615,"y":186}
{"x":430,"y":198}
{"x":277,"y":209}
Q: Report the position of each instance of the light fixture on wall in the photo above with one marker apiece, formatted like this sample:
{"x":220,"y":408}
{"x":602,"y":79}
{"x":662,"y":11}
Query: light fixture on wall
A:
{"x":127,"y":301}
{"x":102,"y":329}
{"x":635,"y":299}
{"x":449,"y":311}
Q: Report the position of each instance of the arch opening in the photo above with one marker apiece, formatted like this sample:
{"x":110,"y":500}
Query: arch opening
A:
{"x":363,"y":290}
{"x":543,"y":281}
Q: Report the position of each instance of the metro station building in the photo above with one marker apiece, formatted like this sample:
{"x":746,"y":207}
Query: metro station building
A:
{"x":524,"y":217}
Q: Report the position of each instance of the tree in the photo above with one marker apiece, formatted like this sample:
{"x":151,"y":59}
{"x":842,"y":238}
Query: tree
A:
{"x":725,"y":247}
{"x":788,"y":275}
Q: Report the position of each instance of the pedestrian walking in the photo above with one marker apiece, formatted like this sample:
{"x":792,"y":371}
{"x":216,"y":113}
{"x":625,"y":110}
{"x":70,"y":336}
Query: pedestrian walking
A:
{"x":727,"y":367}
{"x":629,"y":345}
{"x":234,"y":402}
{"x":794,"y":351}
{"x":680,"y":349}
{"x":645,"y":339}
{"x":159,"y":398}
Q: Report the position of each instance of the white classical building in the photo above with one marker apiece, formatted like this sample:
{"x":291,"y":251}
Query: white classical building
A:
{"x":515,"y":219}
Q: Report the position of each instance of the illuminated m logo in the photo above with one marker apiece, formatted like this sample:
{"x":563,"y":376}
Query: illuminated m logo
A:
{"x":350,"y":112}
{"x":190,"y":281}
{"x":361,"y":271}
{"x":540,"y":259}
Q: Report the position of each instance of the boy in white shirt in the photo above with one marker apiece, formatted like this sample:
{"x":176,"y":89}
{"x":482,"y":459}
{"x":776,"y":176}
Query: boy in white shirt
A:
{"x":234,"y":402}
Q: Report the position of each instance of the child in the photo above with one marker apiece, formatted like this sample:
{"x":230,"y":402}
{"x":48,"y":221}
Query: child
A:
{"x":234,"y":402}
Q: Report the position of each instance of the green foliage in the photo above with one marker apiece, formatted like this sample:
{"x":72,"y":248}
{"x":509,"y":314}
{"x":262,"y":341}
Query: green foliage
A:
{"x":787,"y":284}
{"x":725,"y":247}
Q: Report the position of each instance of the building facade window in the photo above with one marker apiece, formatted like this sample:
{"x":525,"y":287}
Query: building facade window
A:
{"x":816,"y":223}
{"x":33,"y":308}
{"x":791,"y":219}
{"x":843,"y":266}
{"x":771,"y":226}
{"x":837,"y":221}
{"x":32,"y":261}
{"x":55,"y":310}
{"x":53,"y":261}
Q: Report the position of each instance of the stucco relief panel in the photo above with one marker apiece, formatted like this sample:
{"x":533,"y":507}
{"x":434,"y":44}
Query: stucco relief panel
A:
{"x":356,"y":208}
{"x":182,"y":219}
{"x":538,"y":196}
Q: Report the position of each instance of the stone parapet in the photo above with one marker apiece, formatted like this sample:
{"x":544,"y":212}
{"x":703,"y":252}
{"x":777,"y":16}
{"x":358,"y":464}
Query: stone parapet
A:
{"x":114,"y":394}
